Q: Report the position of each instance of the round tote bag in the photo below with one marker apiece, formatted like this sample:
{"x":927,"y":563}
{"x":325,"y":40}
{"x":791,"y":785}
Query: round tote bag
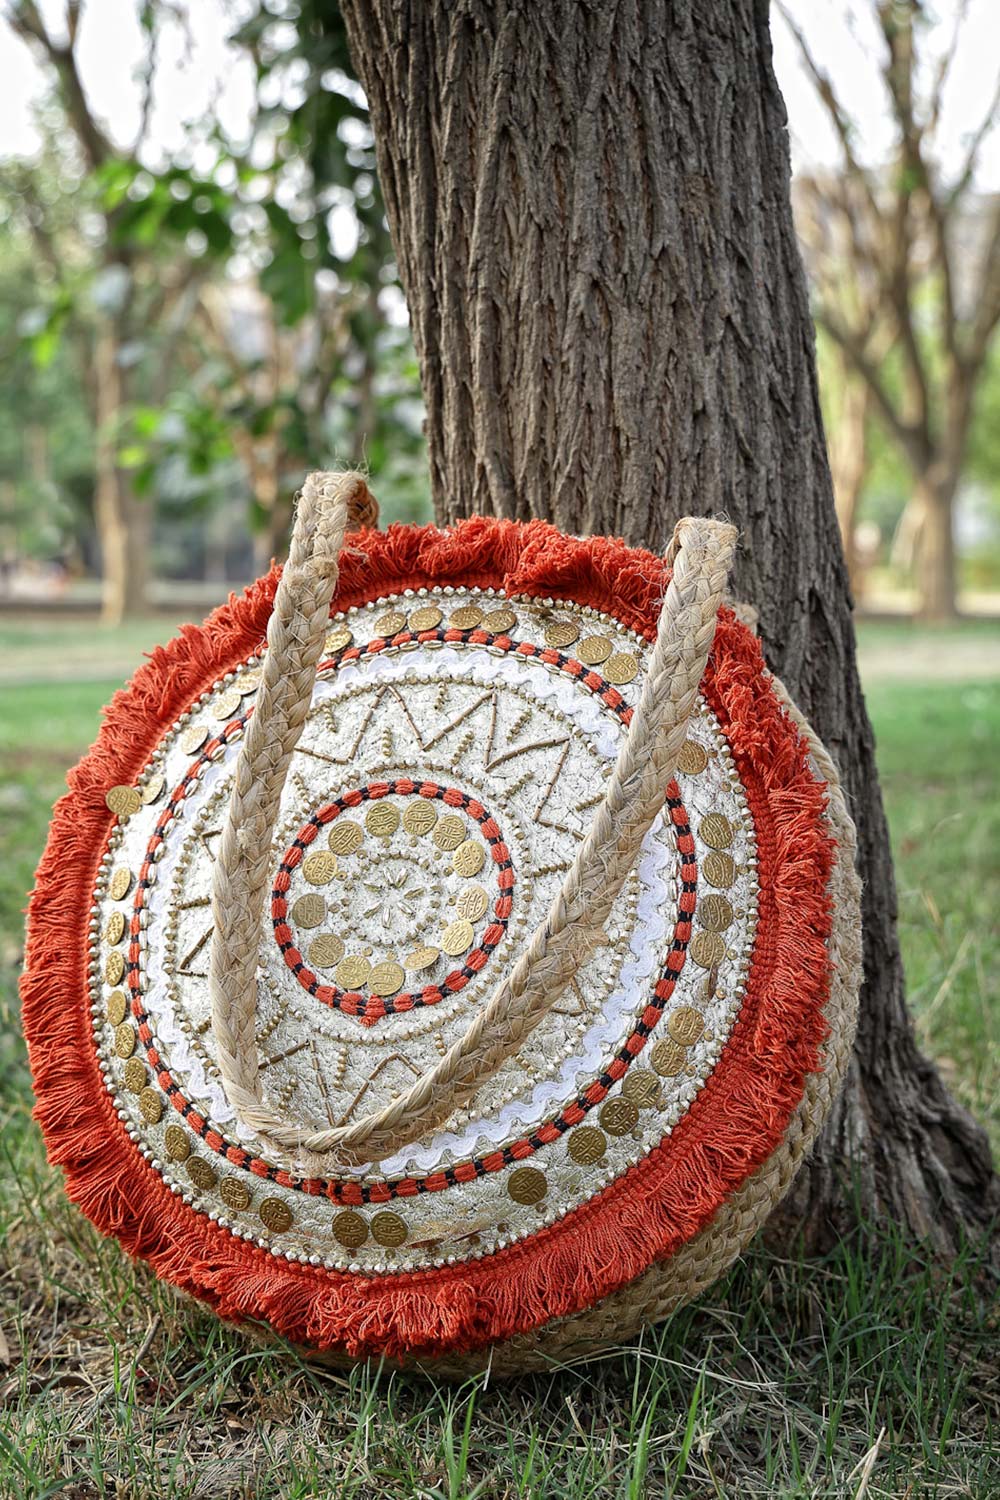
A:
{"x":449,"y":950}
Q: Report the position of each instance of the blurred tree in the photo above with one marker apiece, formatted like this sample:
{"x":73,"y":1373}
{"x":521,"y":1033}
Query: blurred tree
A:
{"x":894,"y":263}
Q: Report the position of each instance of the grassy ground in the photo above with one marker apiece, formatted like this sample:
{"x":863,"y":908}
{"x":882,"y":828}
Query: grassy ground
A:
{"x":869,"y":1373}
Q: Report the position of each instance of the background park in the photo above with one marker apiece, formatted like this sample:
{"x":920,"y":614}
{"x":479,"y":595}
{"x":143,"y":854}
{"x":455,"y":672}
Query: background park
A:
{"x":199,"y":302}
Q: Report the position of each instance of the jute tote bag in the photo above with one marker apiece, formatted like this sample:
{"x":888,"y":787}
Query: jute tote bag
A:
{"x":449,"y":950}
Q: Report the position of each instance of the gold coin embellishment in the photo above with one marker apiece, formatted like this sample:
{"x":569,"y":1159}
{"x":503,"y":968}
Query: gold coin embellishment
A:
{"x":561,"y":633}
{"x":640,"y":1085}
{"x":124,"y":1040}
{"x":457,"y":937}
{"x":114,"y":967}
{"x":350,"y":1229}
{"x":193,"y":738}
{"x":714,"y":912}
{"x":353,"y":971}
{"x":707,"y":949}
{"x":386,"y":978}
{"x":234,"y":1193}
{"x":621,"y":667}
{"x":620,"y":1116}
{"x":469,"y":858}
{"x":249,"y":682}
{"x":527,"y":1185}
{"x":719,"y":869}
{"x":716,"y":831}
{"x":123,"y":800}
{"x":134,"y":1077}
{"x":275,"y":1215}
{"x":692,"y":759}
{"x":176,"y":1143}
{"x":117,"y":1007}
{"x":382,"y":820}
{"x":594,"y":649}
{"x":326,"y":950}
{"x":419,"y":817}
{"x":115,"y":930}
{"x":389,"y":1229}
{"x":338,"y":639}
{"x":309,"y":910}
{"x":466,"y":618}
{"x":391,"y":623}
{"x":153,"y":789}
{"x":667,"y":1058}
{"x":320,"y":867}
{"x":686,"y":1025}
{"x":449,"y":833}
{"x":151,"y":1105}
{"x":422,"y":958}
{"x":587,"y":1144}
{"x":499,"y":621}
{"x":346,"y":837}
{"x":200,"y":1172}
{"x":227,"y":705}
{"x":472,"y":903}
{"x":118,"y":886}
{"x":427,"y":617}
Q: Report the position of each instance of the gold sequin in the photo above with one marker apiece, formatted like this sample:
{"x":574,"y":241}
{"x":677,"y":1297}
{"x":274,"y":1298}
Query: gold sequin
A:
{"x":594,"y":649}
{"x":391,"y":623}
{"x":472,"y":903}
{"x":124,"y":1040}
{"x":427,"y":617}
{"x":350,"y":1229}
{"x":640,"y":1085}
{"x":326,"y":950}
{"x":466,"y":618}
{"x":707,"y":949}
{"x":200,"y":1172}
{"x":151,"y":1105}
{"x":686,"y":1025}
{"x":227,"y":705}
{"x":499,"y":621}
{"x":153,"y":789}
{"x":234,"y":1193}
{"x":115,"y":929}
{"x":716,"y":831}
{"x":249,"y":682}
{"x":619,"y":1116}
{"x":561,"y":633}
{"x":527,"y":1185}
{"x":692,"y":759}
{"x":309,"y":910}
{"x":457,"y":936}
{"x":275,"y":1215}
{"x":667,"y":1058}
{"x":386,"y":978}
{"x":134,"y":1075}
{"x":382,"y":819}
{"x":123,"y":800}
{"x":346,"y":836}
{"x":117,"y":1007}
{"x":119,"y":884}
{"x":719,"y":869}
{"x":587,"y":1144}
{"x":449,"y":832}
{"x":714,"y":912}
{"x":338,"y":639}
{"x":422,"y":958}
{"x":114,"y":967}
{"x":389,"y":1229}
{"x":353,"y":971}
{"x":320,"y":867}
{"x":176,"y":1143}
{"x":621,"y":667}
{"x":193,"y":738}
{"x":469,"y":858}
{"x":419,"y":817}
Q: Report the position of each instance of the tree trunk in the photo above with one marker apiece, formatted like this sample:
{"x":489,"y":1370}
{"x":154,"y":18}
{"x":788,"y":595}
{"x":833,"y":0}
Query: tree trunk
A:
{"x":124,"y":524}
{"x":590,"y":207}
{"x":935,"y":559}
{"x":849,"y":467}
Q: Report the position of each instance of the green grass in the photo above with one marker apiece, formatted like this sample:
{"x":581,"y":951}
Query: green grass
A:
{"x":866,"y":1373}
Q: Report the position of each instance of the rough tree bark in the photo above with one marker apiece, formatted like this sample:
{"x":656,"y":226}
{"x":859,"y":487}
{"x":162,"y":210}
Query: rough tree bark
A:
{"x":590,"y":206}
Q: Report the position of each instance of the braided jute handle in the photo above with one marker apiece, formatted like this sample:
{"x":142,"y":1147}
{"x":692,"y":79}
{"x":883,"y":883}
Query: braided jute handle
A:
{"x":701,"y":552}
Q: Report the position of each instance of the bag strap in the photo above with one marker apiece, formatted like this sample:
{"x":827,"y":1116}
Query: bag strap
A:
{"x":700,"y":552}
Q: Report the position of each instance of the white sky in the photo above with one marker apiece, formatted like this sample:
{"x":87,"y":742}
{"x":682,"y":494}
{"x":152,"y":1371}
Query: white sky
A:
{"x":206,"y":75}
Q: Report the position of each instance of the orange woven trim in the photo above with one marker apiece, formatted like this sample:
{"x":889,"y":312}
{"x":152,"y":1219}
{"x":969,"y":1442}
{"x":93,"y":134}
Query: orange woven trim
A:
{"x":735,"y":1123}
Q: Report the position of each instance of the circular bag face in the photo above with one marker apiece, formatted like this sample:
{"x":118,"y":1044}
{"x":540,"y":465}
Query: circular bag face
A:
{"x":460,"y":738}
